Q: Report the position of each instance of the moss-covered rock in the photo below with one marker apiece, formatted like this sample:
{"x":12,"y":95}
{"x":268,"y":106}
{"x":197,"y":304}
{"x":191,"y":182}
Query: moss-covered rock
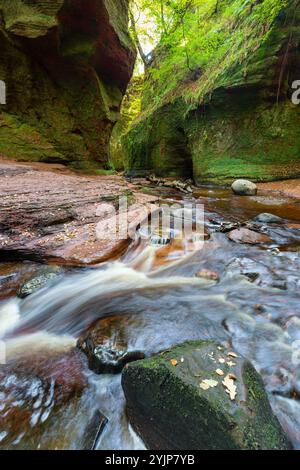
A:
{"x":66,"y":65}
{"x":131,"y":108}
{"x":171,"y":407}
{"x":234,"y":118}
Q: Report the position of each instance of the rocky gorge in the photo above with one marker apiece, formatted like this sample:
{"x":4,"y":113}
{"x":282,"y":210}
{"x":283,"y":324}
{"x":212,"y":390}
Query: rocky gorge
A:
{"x":120,"y":332}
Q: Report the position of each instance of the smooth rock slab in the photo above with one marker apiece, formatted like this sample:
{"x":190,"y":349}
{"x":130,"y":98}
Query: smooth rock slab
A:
{"x":244,"y":235}
{"x":170,"y":411}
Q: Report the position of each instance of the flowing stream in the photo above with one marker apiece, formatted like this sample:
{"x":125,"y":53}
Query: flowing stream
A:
{"x":49,"y":399}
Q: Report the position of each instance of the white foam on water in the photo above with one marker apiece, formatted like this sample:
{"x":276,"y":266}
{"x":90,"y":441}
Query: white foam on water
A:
{"x":42,"y":341}
{"x":9,"y":317}
{"x":62,"y":308}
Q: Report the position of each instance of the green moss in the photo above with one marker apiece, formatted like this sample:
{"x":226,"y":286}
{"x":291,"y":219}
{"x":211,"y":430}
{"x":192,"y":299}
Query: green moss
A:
{"x":61,"y":103}
{"x":162,"y":143}
{"x":234,"y":118}
{"x":170,"y":410}
{"x":131,"y":108}
{"x":23,"y":142}
{"x":30,"y":20}
{"x":236,"y":138}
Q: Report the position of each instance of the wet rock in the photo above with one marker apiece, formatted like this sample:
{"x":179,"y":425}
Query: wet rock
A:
{"x":160,"y":238}
{"x":187,"y":388}
{"x":39,"y":280}
{"x":227,"y":226}
{"x":244,"y":188}
{"x":42,"y":226}
{"x":280,"y":284}
{"x":288,"y":412}
{"x":267,"y":218}
{"x":294,"y":226}
{"x":94,"y":431}
{"x":34,"y":390}
{"x":207,"y":274}
{"x":245,"y":235}
{"x":252,"y":276}
{"x":106,"y":347}
{"x":13,"y":275}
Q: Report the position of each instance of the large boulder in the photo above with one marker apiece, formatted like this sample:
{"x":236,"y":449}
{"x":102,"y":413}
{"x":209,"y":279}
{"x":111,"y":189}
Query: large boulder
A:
{"x":244,"y":188}
{"x":200,"y":395}
{"x":66,"y":66}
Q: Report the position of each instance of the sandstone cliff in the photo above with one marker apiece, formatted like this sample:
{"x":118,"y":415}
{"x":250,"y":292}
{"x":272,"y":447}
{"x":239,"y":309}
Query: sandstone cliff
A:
{"x":66,"y":65}
{"x":232,"y":116}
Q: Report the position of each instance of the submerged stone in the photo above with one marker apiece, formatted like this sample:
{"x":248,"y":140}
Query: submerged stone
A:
{"x":200,"y":395}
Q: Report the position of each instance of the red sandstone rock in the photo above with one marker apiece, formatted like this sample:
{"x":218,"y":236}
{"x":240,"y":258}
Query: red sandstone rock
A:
{"x":52,"y":216}
{"x":244,"y":235}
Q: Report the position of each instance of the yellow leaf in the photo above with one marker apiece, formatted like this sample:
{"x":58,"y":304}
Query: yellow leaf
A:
{"x":231,"y":364}
{"x":219,"y":372}
{"x":230,"y":387}
{"x":232,"y":354}
{"x":174,"y":362}
{"x":232,"y":376}
{"x":204,"y":386}
{"x":208,"y":383}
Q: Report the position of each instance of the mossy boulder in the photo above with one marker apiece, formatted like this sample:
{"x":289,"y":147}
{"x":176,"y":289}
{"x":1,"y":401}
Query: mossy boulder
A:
{"x":234,"y":118}
{"x":66,"y":65}
{"x":171,"y":406}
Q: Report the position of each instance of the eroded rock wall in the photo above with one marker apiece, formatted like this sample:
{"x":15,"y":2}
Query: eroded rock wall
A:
{"x":235,"y":117}
{"x":66,"y":64}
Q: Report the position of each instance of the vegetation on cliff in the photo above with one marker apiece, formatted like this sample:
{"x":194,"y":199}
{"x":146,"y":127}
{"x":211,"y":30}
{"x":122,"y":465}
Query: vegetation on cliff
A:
{"x":66,"y":65}
{"x":216,"y":100}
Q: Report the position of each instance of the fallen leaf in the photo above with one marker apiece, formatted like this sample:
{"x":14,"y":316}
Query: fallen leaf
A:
{"x":232,"y":354}
{"x":221,"y":360}
{"x":232,"y":376}
{"x":174,"y":362}
{"x":219,"y":372}
{"x":230,"y":387}
{"x":208,"y":383}
{"x":231,"y":364}
{"x":204,"y":386}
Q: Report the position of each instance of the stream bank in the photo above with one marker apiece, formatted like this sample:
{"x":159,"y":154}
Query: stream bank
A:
{"x":146,"y":299}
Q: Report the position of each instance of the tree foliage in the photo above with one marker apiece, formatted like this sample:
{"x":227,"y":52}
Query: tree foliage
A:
{"x":194,"y":39}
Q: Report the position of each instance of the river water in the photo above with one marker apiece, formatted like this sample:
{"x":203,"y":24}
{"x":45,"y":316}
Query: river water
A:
{"x":49,"y":399}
